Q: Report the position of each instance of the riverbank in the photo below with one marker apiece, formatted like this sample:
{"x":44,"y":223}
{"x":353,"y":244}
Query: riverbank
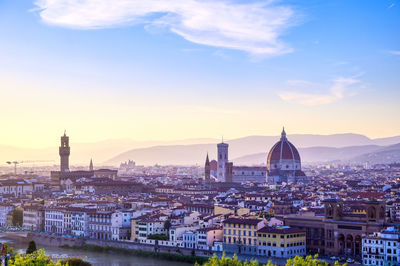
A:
{"x":96,"y":258}
{"x":147,"y":254}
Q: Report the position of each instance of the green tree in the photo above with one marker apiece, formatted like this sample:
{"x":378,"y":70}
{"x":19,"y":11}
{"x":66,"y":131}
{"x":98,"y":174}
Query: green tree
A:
{"x":158,"y":237}
{"x":17,"y":217}
{"x":35,"y":258}
{"x":296,"y":261}
{"x":167,"y":225}
{"x":308,"y":261}
{"x":234,"y":261}
{"x":31,"y":247}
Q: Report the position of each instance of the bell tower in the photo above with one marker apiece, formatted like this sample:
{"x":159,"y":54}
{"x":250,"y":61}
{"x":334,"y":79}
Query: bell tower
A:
{"x":64,"y":151}
{"x":207,"y":171}
{"x":222,"y":160}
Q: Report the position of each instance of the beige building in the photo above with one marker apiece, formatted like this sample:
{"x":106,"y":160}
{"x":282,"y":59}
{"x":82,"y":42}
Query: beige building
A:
{"x":141,"y":228}
{"x":33,"y":218}
{"x":281,"y":242}
{"x":237,"y":211}
{"x":240,"y":235}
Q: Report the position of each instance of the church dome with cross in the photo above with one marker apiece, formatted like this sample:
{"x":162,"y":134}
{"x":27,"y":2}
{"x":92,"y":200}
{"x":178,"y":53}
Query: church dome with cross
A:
{"x":284,"y":164}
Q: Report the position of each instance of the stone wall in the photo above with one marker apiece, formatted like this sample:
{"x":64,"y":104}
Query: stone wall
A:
{"x":148,"y":247}
{"x":51,"y":240}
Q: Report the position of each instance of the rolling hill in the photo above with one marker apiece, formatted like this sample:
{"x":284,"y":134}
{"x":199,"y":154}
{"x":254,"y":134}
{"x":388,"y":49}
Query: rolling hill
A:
{"x":253,"y":150}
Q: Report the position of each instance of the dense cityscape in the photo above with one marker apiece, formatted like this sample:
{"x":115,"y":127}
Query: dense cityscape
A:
{"x":199,"y":132}
{"x":279,"y":211}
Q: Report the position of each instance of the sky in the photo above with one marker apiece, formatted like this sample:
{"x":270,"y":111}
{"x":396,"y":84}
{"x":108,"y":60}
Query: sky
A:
{"x":179,"y":69}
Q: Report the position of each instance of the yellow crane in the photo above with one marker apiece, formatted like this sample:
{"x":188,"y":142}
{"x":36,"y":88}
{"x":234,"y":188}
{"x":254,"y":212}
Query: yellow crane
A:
{"x":26,"y":161}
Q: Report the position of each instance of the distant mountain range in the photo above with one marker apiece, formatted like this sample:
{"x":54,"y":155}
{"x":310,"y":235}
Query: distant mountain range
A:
{"x":253,"y":150}
{"x":361,"y":154}
{"x":248,"y":150}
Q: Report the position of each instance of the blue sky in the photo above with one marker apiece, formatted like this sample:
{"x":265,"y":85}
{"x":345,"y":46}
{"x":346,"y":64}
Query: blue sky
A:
{"x":185,"y":69}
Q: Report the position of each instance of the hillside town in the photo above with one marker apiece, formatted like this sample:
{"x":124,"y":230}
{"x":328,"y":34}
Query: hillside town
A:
{"x":349,"y":213}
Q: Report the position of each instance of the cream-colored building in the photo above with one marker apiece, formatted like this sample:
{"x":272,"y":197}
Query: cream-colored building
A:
{"x":237,"y":211}
{"x":240,"y":235}
{"x":33,"y":218}
{"x":281,"y":241}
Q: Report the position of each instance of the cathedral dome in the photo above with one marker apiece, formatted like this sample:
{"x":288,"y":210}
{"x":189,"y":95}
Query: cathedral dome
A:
{"x":283,"y":150}
{"x":284,"y":164}
{"x":283,"y":155}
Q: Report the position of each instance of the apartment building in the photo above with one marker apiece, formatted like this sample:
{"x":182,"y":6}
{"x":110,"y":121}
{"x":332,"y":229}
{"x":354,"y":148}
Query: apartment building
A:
{"x":281,"y":242}
{"x":33,"y":218}
{"x":382,"y":248}
{"x":240,"y":235}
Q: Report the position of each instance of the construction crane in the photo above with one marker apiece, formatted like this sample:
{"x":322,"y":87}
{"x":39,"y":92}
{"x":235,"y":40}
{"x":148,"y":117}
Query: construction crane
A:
{"x":26,"y":161}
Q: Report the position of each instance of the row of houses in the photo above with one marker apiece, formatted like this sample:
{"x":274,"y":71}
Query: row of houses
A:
{"x":86,"y":221}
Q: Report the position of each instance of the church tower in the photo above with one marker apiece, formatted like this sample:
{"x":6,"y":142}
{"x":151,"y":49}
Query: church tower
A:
{"x":222,"y":161}
{"x":207,"y":171}
{"x":64,"y":152}
{"x":91,"y":165}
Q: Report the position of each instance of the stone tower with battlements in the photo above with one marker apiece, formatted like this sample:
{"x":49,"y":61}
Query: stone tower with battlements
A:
{"x":64,"y":152}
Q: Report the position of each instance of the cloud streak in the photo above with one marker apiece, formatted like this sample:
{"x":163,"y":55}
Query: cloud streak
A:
{"x":337,"y":91}
{"x":254,"y":27}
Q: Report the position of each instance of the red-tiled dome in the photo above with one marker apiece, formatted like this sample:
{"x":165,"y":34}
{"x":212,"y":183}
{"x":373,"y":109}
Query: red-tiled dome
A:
{"x":283,"y":150}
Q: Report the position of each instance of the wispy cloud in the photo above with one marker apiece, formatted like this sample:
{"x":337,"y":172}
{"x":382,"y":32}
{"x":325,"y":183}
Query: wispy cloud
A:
{"x":338,"y":90}
{"x":394,"y":52}
{"x":392,"y":5}
{"x":254,"y":27}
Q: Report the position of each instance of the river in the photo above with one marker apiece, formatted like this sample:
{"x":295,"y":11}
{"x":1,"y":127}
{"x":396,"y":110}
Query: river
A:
{"x":96,"y":258}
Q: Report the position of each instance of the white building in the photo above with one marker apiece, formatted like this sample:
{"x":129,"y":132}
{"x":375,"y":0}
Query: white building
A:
{"x":150,"y":226}
{"x":100,"y":225}
{"x":243,"y":174}
{"x":222,"y":161}
{"x":176,"y":232}
{"x":4,"y":210}
{"x":16,"y":186}
{"x":54,"y":220}
{"x":79,"y":222}
{"x":189,"y":239}
{"x":121,"y":225}
{"x":382,"y":248}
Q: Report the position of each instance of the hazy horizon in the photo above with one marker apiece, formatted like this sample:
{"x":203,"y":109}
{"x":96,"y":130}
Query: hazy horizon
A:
{"x":183,"y":141}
